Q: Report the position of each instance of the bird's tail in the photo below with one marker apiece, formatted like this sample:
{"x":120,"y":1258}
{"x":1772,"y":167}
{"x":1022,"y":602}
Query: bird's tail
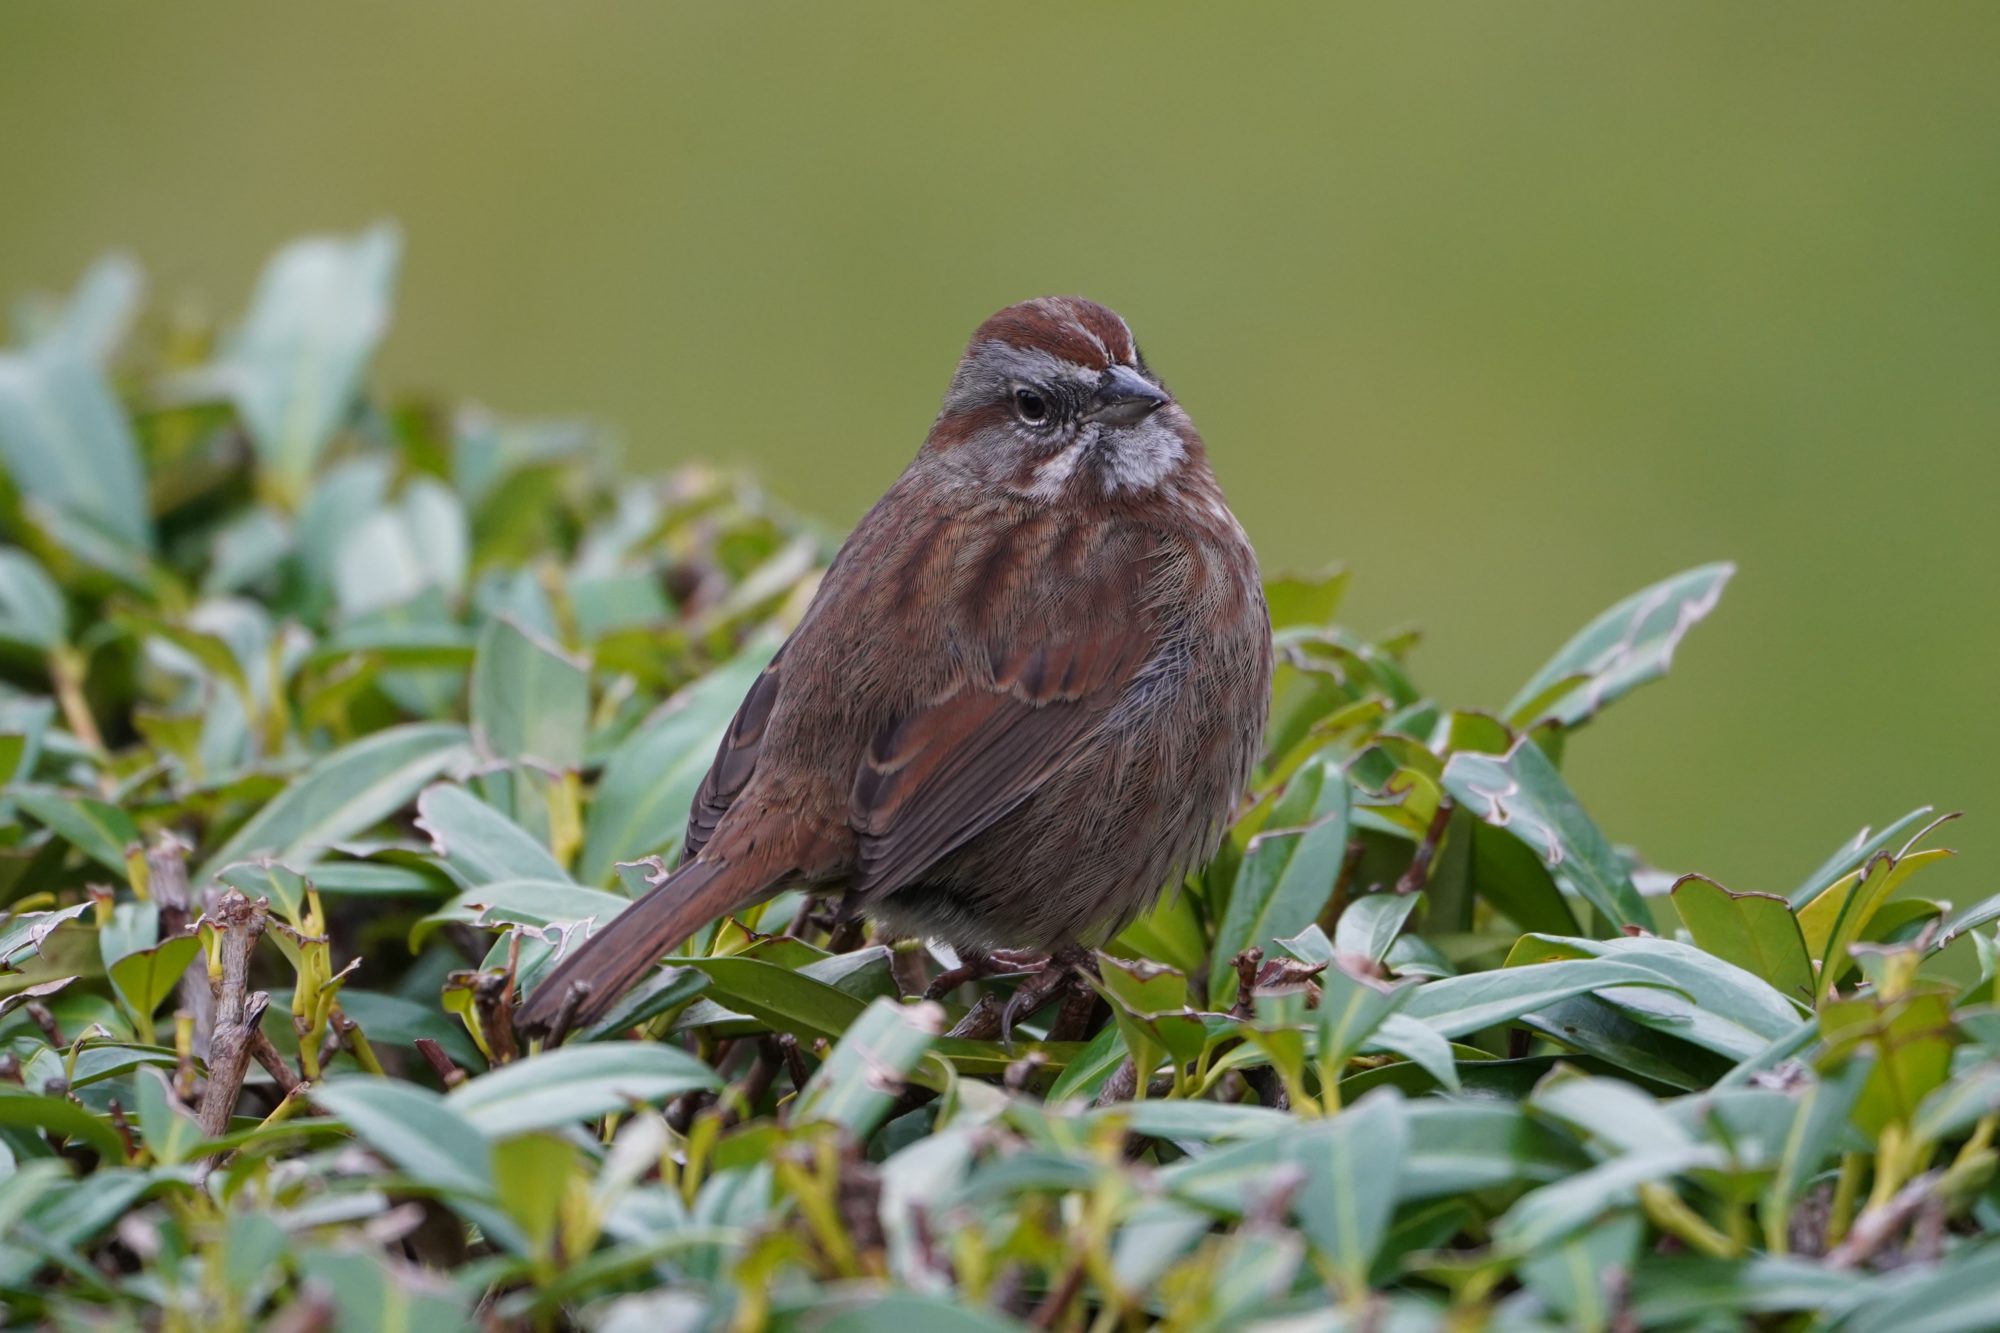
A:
{"x":593,"y":977}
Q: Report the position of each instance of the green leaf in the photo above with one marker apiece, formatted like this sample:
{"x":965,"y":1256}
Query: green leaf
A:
{"x":31,"y":606}
{"x":61,"y":1118}
{"x":414,"y":1128}
{"x":169,"y":1131}
{"x":1700,"y":998}
{"x":642,"y":799}
{"x":284,"y":888}
{"x":1755,"y":931}
{"x":210,"y":652}
{"x":1682,"y":1291}
{"x":391,"y":1020}
{"x":1351,"y":1008}
{"x":100,"y":831}
{"x":67,"y":444}
{"x":1555,"y":1212}
{"x":862,"y":1077}
{"x":665,"y":989}
{"x":369,"y":1293}
{"x":613,"y":602}
{"x":1910,"y":1038}
{"x":1369,"y":925}
{"x":24,"y":725}
{"x":1838,"y":917}
{"x":782,"y":1000}
{"x":1955,"y":1108}
{"x":1968,"y":919}
{"x":1604,"y":1031}
{"x":1822,"y":1114}
{"x":1615,"y":1114}
{"x":477,"y":843}
{"x":400,"y":645}
{"x":1460,"y":1006}
{"x":864,"y":1311}
{"x":345,"y":793}
{"x":22,"y":934}
{"x":146,"y":977}
{"x":1627,"y":646}
{"x":530,"y":700}
{"x":1308,"y":600}
{"x":1288,"y":871}
{"x":572,"y":1083}
{"x":1510,"y":875}
{"x":537,"y":902}
{"x":532,"y":1174}
{"x":1420,"y":1044}
{"x":1857,"y":854}
{"x":336,"y":879}
{"x":1522,"y":793}
{"x":99,"y":313}
{"x":1351,"y":1181}
{"x":294,"y":368}
{"x":1576,"y":1278}
{"x":1955,"y":1296}
{"x":1096,"y":1062}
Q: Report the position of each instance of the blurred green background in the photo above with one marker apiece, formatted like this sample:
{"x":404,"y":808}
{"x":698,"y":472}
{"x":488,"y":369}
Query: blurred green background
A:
{"x":1512,"y":308}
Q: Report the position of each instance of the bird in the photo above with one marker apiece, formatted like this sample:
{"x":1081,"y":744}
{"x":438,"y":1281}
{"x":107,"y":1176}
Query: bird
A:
{"x":1025,"y":698}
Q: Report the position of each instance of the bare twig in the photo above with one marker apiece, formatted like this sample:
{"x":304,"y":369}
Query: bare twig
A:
{"x":1419,"y":873}
{"x":493,"y":1001}
{"x":1062,"y":1294}
{"x":1879,"y":1225}
{"x":274,"y":1064}
{"x":237,"y":1010}
{"x":46,"y":1021}
{"x":441,"y":1064}
{"x":1246,"y":965}
{"x":124,"y":1128}
{"x":739,"y":1099}
{"x":167,"y":872}
{"x":1343,"y":885}
{"x":981,"y":1022}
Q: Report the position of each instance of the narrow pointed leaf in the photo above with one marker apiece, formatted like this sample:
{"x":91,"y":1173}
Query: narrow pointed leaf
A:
{"x":1627,"y":646}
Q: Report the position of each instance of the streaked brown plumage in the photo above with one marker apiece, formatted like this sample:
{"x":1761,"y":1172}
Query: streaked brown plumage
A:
{"x":1026,"y":696}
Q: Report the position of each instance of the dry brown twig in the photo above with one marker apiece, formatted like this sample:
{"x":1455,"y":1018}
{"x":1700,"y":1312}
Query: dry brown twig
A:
{"x":167,"y":876}
{"x":238,"y":1009}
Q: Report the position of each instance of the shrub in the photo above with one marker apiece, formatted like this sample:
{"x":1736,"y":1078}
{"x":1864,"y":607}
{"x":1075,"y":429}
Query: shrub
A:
{"x":327,"y":716}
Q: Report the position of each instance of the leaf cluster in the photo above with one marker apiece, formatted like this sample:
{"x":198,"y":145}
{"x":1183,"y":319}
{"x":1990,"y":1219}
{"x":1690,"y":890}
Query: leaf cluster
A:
{"x":326,"y":719}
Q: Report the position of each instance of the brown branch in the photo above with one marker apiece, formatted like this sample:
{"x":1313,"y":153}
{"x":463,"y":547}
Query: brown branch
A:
{"x":167,"y":873}
{"x":493,"y":1002}
{"x":981,"y":1022}
{"x":441,"y":1064}
{"x":1419,"y":873}
{"x":237,"y":1010}
{"x":1879,"y":1225}
{"x":1059,"y":1298}
{"x":274,"y":1064}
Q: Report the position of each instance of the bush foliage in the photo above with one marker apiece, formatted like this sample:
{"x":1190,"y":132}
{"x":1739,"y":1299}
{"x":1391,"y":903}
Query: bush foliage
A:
{"x":325,"y":717}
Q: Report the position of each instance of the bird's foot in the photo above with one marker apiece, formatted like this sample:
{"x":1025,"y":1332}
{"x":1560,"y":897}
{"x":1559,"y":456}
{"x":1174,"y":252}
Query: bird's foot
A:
{"x":1064,"y":975}
{"x":978,"y":964}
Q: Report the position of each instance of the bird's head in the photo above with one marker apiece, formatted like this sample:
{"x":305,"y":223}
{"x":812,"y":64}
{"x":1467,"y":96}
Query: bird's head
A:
{"x":1053,"y":401}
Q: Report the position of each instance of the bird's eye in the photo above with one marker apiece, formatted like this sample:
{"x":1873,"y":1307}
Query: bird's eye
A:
{"x":1030,"y":406}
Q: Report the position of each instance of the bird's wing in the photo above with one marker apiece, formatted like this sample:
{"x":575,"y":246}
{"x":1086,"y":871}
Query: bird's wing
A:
{"x":949,"y":770}
{"x":735,"y":758}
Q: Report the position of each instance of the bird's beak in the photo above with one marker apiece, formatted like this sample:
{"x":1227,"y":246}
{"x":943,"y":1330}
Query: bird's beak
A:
{"x":1124,"y":397}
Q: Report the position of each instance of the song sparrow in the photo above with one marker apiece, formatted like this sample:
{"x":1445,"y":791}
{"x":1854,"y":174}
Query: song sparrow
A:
{"x":1025,"y":698}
